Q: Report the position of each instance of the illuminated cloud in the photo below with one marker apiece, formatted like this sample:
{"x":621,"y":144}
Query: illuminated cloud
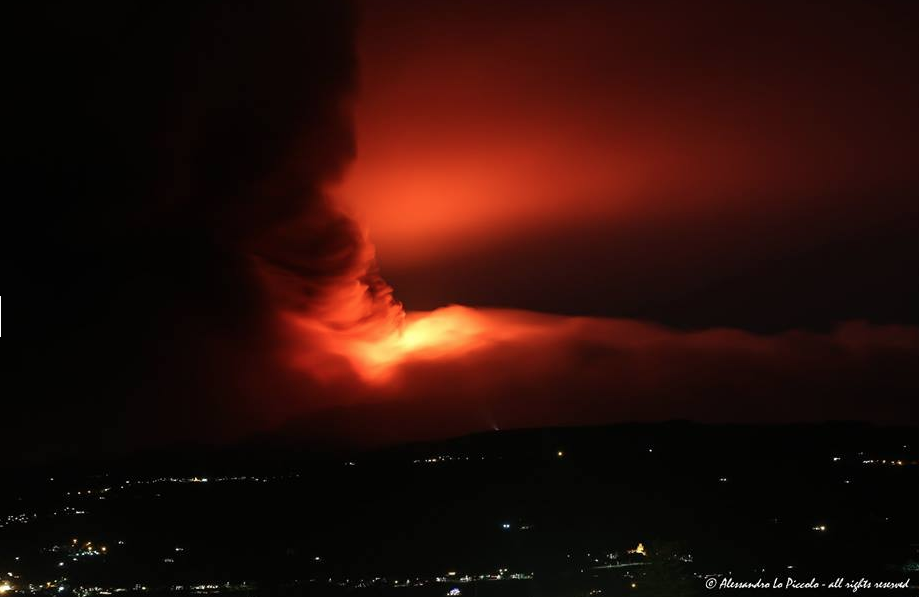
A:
{"x":458,"y":369}
{"x":190,"y":274}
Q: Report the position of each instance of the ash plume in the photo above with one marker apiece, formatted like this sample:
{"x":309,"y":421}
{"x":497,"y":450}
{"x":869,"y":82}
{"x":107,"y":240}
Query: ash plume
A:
{"x":181,"y":274}
{"x":174,"y":176}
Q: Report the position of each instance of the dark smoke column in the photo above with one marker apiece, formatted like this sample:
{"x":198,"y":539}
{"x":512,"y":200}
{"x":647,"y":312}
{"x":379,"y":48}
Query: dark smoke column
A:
{"x":172,"y":150}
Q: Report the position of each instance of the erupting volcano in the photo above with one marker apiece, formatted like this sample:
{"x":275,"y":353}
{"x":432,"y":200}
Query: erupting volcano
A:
{"x":649,"y":212}
{"x":354,"y":315}
{"x":532,"y":368}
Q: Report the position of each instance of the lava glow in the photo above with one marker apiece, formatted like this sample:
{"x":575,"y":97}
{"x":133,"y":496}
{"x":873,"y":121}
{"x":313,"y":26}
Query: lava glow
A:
{"x":437,"y":334}
{"x":423,"y":335}
{"x":376,"y":349}
{"x":350,"y":323}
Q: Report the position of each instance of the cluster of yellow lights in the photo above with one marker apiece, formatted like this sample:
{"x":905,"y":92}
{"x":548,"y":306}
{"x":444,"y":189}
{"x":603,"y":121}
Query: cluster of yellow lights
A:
{"x":640,"y":549}
{"x":89,"y":546}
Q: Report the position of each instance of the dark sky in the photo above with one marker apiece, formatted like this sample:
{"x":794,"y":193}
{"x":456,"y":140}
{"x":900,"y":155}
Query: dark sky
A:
{"x":197,"y":190}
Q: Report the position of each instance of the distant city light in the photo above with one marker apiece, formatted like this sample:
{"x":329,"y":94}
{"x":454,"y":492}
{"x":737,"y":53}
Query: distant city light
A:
{"x":5,"y":587}
{"x":821,"y":528}
{"x":454,"y":591}
{"x":639,"y":549}
{"x":560,"y":453}
{"x":506,"y":525}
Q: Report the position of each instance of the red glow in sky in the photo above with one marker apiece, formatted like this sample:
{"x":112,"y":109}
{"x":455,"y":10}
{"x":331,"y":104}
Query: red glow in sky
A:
{"x":483,"y":127}
{"x":479,"y":123}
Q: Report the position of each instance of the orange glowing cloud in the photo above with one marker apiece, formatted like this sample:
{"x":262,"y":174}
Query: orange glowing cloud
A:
{"x":353,"y":332}
{"x":544,"y":120}
{"x":376,"y":350}
{"x":457,"y":370}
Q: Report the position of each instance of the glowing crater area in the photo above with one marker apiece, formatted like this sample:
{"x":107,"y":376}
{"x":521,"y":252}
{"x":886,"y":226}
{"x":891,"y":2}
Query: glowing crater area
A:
{"x":425,"y":335}
{"x":376,"y":350}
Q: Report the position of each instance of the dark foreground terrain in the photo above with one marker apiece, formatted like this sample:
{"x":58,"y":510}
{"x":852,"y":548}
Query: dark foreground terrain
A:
{"x":658,"y":509}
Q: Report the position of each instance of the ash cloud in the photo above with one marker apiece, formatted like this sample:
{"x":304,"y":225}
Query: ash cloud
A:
{"x":174,"y":224}
{"x":173,"y":173}
{"x":532,"y":370}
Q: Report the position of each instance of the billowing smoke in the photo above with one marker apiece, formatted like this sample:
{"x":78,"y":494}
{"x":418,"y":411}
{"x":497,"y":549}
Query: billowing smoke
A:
{"x":174,"y":172}
{"x":185,"y":277}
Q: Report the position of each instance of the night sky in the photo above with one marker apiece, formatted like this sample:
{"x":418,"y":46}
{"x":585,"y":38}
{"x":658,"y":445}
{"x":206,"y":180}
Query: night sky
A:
{"x":236,"y":218}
